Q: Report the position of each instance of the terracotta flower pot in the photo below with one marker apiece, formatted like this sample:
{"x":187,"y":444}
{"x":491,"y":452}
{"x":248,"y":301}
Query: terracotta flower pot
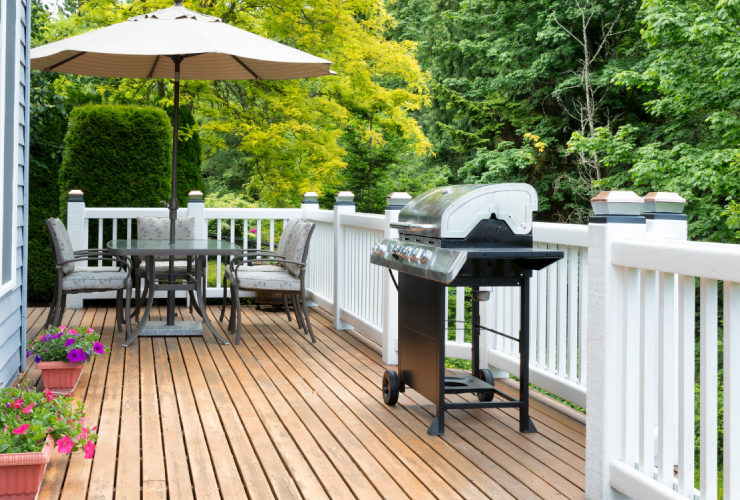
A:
{"x":60,"y":377}
{"x":21,"y":473}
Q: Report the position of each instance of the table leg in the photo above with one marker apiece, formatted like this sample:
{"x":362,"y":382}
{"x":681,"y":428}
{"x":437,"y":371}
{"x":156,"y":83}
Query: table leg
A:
{"x":149,"y":303}
{"x":199,"y":284}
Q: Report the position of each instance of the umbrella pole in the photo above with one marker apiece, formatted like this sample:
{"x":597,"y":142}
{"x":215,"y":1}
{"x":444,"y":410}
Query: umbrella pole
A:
{"x":173,"y":199}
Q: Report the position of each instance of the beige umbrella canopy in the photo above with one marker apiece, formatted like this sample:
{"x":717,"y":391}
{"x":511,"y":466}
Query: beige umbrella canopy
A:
{"x":144,"y":47}
{"x":177,"y":43}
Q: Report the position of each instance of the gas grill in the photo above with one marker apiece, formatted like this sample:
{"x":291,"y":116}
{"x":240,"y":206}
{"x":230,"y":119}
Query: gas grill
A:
{"x":468,"y":235}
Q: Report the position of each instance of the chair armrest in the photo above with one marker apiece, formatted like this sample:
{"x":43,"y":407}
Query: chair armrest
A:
{"x":123,"y":262}
{"x":279,"y":259}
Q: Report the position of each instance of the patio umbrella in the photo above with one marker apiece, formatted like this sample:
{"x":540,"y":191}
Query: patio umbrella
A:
{"x":177,"y":43}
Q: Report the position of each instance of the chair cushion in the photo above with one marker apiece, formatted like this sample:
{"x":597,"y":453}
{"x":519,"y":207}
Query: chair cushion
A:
{"x":281,"y":281}
{"x":263,"y":267}
{"x":163,"y":266}
{"x":95,"y":269}
{"x":64,"y":244}
{"x":87,"y":280}
{"x":158,"y":228}
{"x":297,"y":245}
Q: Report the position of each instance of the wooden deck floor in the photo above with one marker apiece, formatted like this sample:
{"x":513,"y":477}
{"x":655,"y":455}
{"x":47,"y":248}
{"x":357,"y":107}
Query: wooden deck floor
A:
{"x":279,"y":417}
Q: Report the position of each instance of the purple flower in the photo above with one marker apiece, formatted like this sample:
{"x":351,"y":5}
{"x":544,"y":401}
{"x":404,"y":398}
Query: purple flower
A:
{"x":28,"y":353}
{"x":37,"y":359}
{"x":76,"y":356}
{"x":69,"y":342}
{"x":99,"y":348}
{"x":46,"y":337}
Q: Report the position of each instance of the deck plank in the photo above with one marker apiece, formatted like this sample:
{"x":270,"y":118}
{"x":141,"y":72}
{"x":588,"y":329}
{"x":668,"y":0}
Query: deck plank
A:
{"x":278,"y":417}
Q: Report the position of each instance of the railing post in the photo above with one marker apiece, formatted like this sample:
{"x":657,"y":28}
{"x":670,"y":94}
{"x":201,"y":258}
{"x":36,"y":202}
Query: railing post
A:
{"x":605,"y":346}
{"x":76,"y":230}
{"x":344,"y":204}
{"x":310,"y":202}
{"x":196,"y":208}
{"x":394,"y":203}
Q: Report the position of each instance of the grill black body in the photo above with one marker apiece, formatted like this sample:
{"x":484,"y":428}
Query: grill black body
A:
{"x":491,"y":255}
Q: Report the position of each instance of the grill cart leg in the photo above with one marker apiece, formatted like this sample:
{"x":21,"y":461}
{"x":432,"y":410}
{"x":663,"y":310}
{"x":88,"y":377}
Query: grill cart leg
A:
{"x":525,"y":423}
{"x":438,"y":424}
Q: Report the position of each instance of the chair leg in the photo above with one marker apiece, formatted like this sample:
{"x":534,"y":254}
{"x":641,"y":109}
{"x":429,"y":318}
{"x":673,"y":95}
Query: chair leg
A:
{"x":128,"y":311}
{"x":57,"y":308}
{"x":64,"y":308}
{"x":223,"y":302}
{"x":232,"y":311}
{"x":306,"y":318}
{"x":287,"y":308}
{"x":298,"y":314}
{"x":119,"y":310}
{"x":236,"y":307}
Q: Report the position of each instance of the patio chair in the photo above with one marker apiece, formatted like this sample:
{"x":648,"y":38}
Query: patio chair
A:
{"x":264,"y":265}
{"x":72,"y":277}
{"x":290,"y":280}
{"x":158,"y":228}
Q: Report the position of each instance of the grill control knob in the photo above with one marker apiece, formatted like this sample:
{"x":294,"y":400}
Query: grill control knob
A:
{"x":405,"y":253}
{"x":379,"y":249}
{"x":424,"y":256}
{"x":416,"y":255}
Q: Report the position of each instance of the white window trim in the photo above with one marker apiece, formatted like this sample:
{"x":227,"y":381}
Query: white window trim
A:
{"x":4,"y":81}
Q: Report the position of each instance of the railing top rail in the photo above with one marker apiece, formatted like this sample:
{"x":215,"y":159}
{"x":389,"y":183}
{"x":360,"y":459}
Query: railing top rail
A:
{"x":561,"y":234}
{"x":719,"y":261}
{"x":252,"y":213}
{"x":367,"y":221}
{"x":320,"y":215}
{"x":129,"y":212}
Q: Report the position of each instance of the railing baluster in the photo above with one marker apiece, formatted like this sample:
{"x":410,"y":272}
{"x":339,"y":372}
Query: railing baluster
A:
{"x":572,"y":313}
{"x":647,"y":372}
{"x":562,"y":304}
{"x":232,"y":236}
{"x":666,"y":333}
{"x":128,"y":229}
{"x":542,"y":317}
{"x":686,"y":361}
{"x":460,"y":314}
{"x":272,"y":235}
{"x":516,"y":320}
{"x":259,"y":236}
{"x":552,"y":318}
{"x":583,"y":317}
{"x":708,"y":389}
{"x":630,"y":364}
{"x":218,"y":257}
{"x":100,"y":234}
{"x":731,"y":427}
{"x":533,"y":308}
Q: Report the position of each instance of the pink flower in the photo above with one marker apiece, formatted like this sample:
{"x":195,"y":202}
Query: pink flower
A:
{"x":72,"y":331}
{"x":253,"y":230}
{"x":49,"y":395}
{"x":18,"y":403}
{"x":29,"y":408}
{"x":62,"y":328}
{"x":90,"y":330}
{"x":22,"y":429}
{"x":65,"y":445}
{"x":83,"y":434}
{"x":89,"y":449}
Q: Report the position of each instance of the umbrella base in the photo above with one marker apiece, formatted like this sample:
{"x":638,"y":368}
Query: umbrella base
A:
{"x":179,"y":329}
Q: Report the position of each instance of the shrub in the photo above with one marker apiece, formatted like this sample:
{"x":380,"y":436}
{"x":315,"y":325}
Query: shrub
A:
{"x":28,"y":416}
{"x":66,"y":344}
{"x":119,"y":156}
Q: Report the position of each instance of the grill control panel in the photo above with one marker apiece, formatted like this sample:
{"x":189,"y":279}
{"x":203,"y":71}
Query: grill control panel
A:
{"x":426,"y":261}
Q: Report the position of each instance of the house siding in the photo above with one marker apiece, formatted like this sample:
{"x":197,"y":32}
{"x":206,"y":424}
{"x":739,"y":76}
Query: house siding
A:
{"x":14,"y":303}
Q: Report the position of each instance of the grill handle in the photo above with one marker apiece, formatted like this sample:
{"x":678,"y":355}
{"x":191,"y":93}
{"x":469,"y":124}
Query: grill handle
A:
{"x":411,"y":226}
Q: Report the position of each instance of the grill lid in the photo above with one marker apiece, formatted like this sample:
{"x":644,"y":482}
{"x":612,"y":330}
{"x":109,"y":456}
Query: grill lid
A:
{"x":454,"y":211}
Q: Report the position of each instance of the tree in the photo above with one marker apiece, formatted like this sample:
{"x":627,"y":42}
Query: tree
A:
{"x":290,"y":130}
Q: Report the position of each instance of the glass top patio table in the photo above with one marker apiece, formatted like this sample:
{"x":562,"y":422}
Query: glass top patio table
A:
{"x":179,"y":247}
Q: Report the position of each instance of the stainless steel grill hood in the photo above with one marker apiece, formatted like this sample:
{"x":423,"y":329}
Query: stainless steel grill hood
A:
{"x":476,"y":231}
{"x":454,"y":211}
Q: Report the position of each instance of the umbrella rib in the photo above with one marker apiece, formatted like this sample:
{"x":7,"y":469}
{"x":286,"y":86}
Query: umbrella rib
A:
{"x":154,"y":66}
{"x":50,"y":68}
{"x":245,"y":67}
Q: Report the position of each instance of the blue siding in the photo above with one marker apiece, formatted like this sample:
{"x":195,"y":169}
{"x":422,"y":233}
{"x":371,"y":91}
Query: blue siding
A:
{"x":14,"y":303}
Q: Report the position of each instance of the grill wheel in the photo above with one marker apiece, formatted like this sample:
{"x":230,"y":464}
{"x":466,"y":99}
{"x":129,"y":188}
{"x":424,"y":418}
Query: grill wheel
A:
{"x":486,"y":376}
{"x":390,"y":387}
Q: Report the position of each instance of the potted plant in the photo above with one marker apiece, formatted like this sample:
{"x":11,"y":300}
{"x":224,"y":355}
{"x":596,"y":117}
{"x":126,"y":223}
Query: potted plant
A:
{"x":31,"y":424}
{"x":61,"y":354}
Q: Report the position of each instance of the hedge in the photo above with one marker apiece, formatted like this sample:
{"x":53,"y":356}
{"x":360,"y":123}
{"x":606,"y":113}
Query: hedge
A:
{"x":119,"y":156}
